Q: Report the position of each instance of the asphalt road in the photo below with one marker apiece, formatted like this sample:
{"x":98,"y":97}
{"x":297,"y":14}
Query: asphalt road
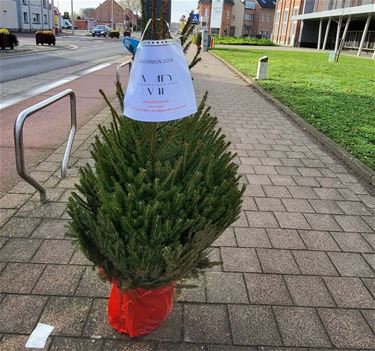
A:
{"x":83,"y":51}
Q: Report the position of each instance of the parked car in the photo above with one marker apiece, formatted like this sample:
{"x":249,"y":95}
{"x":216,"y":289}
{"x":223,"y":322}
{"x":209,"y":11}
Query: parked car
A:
{"x":100,"y":30}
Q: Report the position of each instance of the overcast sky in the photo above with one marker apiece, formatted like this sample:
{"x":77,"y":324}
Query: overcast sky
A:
{"x":179,"y":7}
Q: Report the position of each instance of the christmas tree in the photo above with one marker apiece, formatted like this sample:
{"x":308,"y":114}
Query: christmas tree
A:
{"x":157,"y":197}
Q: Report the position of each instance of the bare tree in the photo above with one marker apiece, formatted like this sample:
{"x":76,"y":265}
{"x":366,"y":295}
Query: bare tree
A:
{"x":134,"y":5}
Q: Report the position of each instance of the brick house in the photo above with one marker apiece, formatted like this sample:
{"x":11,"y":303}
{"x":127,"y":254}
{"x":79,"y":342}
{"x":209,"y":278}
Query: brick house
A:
{"x":204,"y":8}
{"x":258,"y":18}
{"x":103,"y":14}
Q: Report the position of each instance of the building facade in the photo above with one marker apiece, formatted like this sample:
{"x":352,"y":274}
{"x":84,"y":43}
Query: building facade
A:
{"x":26,"y":15}
{"x":258,"y":18}
{"x":204,"y":9}
{"x":326,"y":24}
{"x":104,"y":12}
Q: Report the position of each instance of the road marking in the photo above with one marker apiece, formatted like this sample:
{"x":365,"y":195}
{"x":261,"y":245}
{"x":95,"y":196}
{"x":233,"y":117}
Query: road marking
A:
{"x":39,"y":89}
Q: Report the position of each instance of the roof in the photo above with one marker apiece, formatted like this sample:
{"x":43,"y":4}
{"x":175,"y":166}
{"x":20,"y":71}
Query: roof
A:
{"x":267,"y":4}
{"x":228,"y":2}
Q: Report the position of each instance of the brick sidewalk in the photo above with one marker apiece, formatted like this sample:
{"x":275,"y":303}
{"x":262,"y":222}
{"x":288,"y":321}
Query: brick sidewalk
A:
{"x":298,"y":267}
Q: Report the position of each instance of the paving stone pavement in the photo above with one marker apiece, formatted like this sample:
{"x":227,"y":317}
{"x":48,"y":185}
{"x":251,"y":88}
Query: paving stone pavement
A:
{"x":298,"y":267}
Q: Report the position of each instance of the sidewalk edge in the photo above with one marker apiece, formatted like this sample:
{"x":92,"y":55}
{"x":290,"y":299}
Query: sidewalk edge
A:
{"x":365,"y":172}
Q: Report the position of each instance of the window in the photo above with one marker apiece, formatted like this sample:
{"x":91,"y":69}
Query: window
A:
{"x":228,"y":14}
{"x":44,"y":3}
{"x":45,"y":19}
{"x":25,"y":17}
{"x":268,"y":19}
{"x":285,"y":21}
{"x":249,"y":17}
{"x":250,"y":5}
{"x":36,"y":18}
{"x":206,"y":12}
{"x":24,"y":2}
{"x":277,"y":18}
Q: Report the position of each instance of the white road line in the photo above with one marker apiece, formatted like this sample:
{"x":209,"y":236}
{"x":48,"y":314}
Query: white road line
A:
{"x":6,"y":102}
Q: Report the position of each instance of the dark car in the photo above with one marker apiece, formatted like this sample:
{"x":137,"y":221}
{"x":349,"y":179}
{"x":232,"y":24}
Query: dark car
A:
{"x":100,"y":30}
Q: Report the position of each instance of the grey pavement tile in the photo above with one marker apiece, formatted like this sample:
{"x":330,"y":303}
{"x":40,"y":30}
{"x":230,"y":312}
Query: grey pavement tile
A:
{"x":314,"y":263}
{"x":270,"y":161}
{"x":59,"y":280}
{"x":66,"y":314}
{"x":253,"y":325}
{"x":79,"y":258}
{"x":215,"y":257}
{"x":192,"y":290}
{"x":19,"y":227}
{"x":126,"y":345}
{"x":267,"y":289}
{"x":329,"y":182}
{"x":325,"y":206}
{"x":254,"y":190}
{"x":171,"y":328}
{"x":231,"y":348}
{"x":13,"y":201}
{"x":241,"y":221}
{"x":248,"y":204}
{"x":264,"y":169}
{"x":51,"y":229}
{"x":368,"y":200}
{"x":226,"y":239}
{"x":75,"y":344}
{"x":16,"y":342}
{"x":19,"y":313}
{"x":225,"y":287}
{"x":349,"y":292}
{"x":351,"y":264}
{"x":181,"y":347}
{"x":300,"y":326}
{"x":370,"y":258}
{"x":19,"y":250}
{"x":292,"y":220}
{"x":370,"y":220}
{"x":287,"y":170}
{"x":309,"y":291}
{"x":297,"y":205}
{"x":97,"y":325}
{"x":306,"y":182}
{"x":282,"y":180}
{"x":277,"y":261}
{"x":348,"y":195}
{"x":54,"y":251}
{"x":347,"y":328}
{"x":47,"y":210}
{"x":354,"y":208}
{"x":302,"y":192}
{"x":370,"y":239}
{"x":328,"y":194}
{"x":91,"y":285}
{"x":370,"y":284}
{"x":285,"y":239}
{"x":309,"y":172}
{"x":259,"y":219}
{"x":322,"y":222}
{"x":276,"y":191}
{"x":269,"y":204}
{"x":240,"y":259}
{"x":206,"y":324}
{"x":318,"y":240}
{"x":357,"y":188}
{"x":370,"y":318}
{"x":252,"y":237}
{"x":353,"y":224}
{"x":258,"y":179}
{"x":250,"y":161}
{"x":352,"y":242}
{"x":20,"y":277}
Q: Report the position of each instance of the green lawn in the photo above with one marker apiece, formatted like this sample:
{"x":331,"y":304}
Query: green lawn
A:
{"x":338,"y":99}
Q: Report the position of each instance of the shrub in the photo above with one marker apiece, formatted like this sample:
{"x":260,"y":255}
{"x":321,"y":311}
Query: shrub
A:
{"x":243,"y":41}
{"x":159,"y":196}
{"x":45,"y":37}
{"x":197,"y":39}
{"x":4,"y":31}
{"x":7,"y":39}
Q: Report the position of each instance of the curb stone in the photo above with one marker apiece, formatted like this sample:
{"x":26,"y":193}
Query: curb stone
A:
{"x":365,"y":172}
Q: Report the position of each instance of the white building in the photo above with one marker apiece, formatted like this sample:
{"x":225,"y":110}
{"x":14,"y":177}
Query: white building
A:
{"x":26,"y":15}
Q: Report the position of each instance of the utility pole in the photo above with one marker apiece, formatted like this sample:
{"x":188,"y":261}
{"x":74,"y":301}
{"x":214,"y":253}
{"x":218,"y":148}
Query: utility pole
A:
{"x":71,"y":5}
{"x":112,"y":16}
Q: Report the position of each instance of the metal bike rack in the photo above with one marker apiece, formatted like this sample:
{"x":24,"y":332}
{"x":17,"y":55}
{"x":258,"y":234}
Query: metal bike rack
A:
{"x":18,"y":137}
{"x":126,"y":63}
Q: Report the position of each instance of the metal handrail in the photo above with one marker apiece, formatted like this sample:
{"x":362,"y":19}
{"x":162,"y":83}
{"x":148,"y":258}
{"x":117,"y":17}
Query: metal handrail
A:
{"x":18,"y":137}
{"x":128,"y":62}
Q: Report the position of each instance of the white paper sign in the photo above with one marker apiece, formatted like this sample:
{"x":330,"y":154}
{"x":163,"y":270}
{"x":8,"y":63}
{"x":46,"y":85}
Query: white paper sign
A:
{"x":160,"y":86}
{"x":39,"y":336}
{"x":216,"y":13}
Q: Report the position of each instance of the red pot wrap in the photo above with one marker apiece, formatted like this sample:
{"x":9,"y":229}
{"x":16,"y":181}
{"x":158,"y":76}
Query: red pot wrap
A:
{"x":138,"y":312}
